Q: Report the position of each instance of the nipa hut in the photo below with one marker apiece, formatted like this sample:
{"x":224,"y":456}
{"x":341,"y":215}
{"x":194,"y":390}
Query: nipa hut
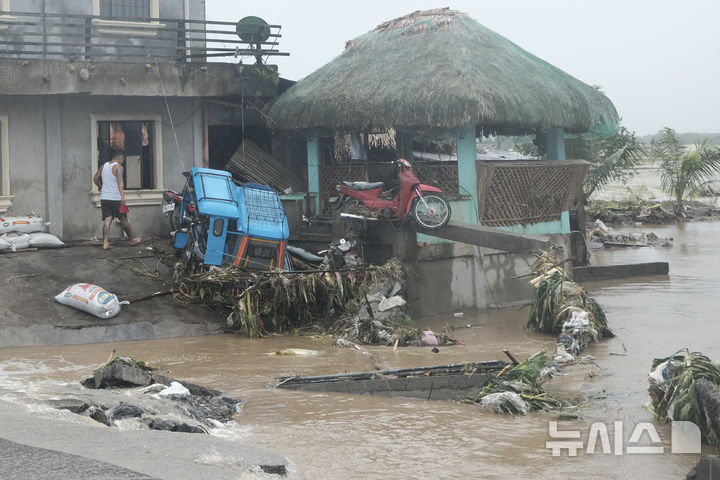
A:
{"x":440,"y":72}
{"x":440,"y":69}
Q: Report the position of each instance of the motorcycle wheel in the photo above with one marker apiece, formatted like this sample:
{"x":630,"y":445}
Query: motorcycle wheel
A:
{"x":193,"y":262}
{"x":432,"y":214}
{"x":175,"y":218}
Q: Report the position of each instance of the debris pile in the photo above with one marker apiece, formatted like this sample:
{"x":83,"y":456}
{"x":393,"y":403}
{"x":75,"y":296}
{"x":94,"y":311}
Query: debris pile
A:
{"x":256,"y":302}
{"x":686,"y":386}
{"x":603,"y":236}
{"x":562,"y":307}
{"x":160,"y":396}
{"x":518,"y":390}
{"x":630,"y":212}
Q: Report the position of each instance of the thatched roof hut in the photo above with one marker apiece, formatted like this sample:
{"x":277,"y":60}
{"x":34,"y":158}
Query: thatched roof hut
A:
{"x":440,"y":69}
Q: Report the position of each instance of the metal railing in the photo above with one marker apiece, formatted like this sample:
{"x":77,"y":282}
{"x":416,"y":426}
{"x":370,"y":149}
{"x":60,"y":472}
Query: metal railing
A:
{"x":27,"y":35}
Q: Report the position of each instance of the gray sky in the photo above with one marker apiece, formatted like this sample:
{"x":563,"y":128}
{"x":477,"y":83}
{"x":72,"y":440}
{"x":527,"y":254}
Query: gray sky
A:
{"x":657,"y":60}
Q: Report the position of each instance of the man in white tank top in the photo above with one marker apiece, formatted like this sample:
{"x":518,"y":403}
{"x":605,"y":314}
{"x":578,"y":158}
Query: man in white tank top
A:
{"x":109,"y":179}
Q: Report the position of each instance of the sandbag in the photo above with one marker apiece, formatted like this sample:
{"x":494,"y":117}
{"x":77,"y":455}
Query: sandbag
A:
{"x":17,"y":241}
{"x":92,"y":299}
{"x":22,"y":224}
{"x":4,"y":244}
{"x":45,"y":240}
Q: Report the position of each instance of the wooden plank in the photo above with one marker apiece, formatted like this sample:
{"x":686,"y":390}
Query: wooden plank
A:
{"x":490,"y":237}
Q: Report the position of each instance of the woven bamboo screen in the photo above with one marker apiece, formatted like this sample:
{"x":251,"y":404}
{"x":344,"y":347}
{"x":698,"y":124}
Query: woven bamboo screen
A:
{"x":521,"y":193}
{"x":331,"y":175}
{"x":443,"y":175}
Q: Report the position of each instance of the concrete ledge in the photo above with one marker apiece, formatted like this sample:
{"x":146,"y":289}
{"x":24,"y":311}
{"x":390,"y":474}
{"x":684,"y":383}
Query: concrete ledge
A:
{"x":612,"y":272}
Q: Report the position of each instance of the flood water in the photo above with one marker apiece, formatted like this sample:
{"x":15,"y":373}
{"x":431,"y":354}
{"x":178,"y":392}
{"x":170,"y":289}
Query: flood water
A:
{"x":333,"y":436}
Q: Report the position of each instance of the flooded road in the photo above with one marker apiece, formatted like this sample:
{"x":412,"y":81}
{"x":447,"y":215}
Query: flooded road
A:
{"x":331,"y":436}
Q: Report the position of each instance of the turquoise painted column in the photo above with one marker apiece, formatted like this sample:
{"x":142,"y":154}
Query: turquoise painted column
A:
{"x":313,"y":164}
{"x":467,"y":173}
{"x":555,"y":144}
{"x":555,"y":148}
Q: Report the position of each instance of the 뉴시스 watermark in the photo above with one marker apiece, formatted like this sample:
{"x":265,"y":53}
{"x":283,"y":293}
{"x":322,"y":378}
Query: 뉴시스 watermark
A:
{"x":685,"y":438}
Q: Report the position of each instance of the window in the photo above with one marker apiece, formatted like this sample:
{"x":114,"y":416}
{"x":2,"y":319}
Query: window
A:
{"x":127,"y":17}
{"x":126,"y":9}
{"x":4,"y":17}
{"x":5,"y":197}
{"x":140,"y":140}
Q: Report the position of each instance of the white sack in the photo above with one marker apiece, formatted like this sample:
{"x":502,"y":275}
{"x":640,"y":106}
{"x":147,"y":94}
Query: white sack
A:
{"x":17,"y":241}
{"x":90,"y":298}
{"x":22,"y":224}
{"x":45,"y":240}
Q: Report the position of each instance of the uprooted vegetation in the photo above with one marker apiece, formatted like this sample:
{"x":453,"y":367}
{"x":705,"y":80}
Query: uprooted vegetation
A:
{"x":686,"y":386}
{"x":359,"y":304}
{"x":518,"y":390}
{"x":560,"y":306}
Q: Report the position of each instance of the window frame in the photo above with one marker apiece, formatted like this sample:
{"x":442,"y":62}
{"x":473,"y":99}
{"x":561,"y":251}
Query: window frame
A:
{"x":125,"y":27}
{"x":151,"y":196}
{"x":5,"y":197}
{"x":5,"y":7}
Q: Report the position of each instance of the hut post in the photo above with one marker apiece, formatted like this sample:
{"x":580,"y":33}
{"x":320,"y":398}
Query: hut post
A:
{"x":555,"y":148}
{"x":467,"y":173}
{"x":555,"y":144}
{"x":313,"y":170}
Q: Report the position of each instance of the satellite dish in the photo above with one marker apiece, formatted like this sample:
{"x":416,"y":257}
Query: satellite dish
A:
{"x":253,"y":30}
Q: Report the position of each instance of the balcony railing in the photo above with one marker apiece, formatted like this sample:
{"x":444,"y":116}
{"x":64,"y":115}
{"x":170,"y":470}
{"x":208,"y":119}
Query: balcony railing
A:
{"x":26,"y":35}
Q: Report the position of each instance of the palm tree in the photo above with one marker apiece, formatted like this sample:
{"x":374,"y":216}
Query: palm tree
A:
{"x":614,"y":157}
{"x":684,"y":173}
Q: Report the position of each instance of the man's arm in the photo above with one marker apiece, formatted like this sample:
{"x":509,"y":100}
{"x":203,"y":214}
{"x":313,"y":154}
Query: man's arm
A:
{"x":98,"y":176}
{"x":121,"y":185}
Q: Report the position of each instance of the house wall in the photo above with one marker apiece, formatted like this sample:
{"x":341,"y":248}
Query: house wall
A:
{"x":26,"y":145}
{"x":47,"y":130}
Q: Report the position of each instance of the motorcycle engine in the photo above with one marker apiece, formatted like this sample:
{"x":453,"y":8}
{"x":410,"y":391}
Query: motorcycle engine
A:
{"x":387,"y":213}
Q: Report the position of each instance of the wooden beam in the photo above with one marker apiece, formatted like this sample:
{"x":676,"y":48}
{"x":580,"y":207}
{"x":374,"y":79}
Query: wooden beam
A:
{"x":489,"y":237}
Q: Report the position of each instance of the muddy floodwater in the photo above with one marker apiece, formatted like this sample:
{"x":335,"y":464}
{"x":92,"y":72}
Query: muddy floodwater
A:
{"x":335,"y":436}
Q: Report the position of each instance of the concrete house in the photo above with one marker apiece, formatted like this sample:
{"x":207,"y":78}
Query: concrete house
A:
{"x":81,"y":78}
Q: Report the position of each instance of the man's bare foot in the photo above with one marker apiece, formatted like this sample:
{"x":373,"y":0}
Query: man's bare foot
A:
{"x":107,"y":246}
{"x":135,"y":240}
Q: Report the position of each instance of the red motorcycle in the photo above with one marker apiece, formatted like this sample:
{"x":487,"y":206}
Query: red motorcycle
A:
{"x":424,"y":203}
{"x":173,"y":204}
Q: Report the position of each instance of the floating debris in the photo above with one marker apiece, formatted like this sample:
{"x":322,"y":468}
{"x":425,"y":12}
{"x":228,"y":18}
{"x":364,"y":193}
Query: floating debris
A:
{"x":562,"y":307}
{"x":686,"y":386}
{"x":518,"y":390}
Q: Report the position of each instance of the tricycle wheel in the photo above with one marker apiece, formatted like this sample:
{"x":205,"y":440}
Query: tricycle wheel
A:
{"x":431,"y":211}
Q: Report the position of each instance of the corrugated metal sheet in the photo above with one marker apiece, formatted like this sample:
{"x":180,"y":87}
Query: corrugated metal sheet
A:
{"x":256,"y":165}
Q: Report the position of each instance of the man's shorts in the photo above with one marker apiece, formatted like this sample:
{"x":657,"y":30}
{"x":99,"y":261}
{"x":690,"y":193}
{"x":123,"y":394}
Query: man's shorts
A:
{"x":111,"y":208}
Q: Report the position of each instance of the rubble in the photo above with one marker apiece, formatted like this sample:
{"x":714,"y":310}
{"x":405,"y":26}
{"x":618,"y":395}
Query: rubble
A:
{"x":603,"y":236}
{"x":172,"y":398}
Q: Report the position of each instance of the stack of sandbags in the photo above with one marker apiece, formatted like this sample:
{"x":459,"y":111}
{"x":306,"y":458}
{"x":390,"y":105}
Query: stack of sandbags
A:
{"x":18,"y":232}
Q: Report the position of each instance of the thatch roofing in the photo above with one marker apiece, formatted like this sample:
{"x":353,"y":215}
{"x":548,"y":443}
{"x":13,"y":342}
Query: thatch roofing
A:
{"x":440,"y":69}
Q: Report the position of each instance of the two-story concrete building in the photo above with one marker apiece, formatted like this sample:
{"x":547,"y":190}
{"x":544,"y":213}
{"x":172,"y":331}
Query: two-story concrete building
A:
{"x":80,"y":78}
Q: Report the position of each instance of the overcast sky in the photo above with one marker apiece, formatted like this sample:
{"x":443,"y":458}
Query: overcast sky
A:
{"x":657,"y":60}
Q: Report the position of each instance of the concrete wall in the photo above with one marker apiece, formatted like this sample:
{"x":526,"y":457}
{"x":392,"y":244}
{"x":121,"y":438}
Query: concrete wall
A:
{"x":36,"y":138}
{"x":26,"y":132}
{"x":451,"y":277}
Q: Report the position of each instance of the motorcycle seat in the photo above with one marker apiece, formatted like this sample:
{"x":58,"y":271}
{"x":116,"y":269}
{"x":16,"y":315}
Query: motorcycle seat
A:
{"x":363,"y":185}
